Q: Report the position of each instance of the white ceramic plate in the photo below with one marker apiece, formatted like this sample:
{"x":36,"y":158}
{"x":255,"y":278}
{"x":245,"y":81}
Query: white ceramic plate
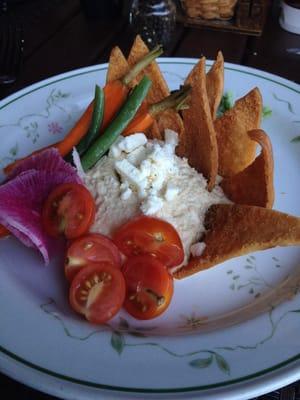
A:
{"x":229,"y":332}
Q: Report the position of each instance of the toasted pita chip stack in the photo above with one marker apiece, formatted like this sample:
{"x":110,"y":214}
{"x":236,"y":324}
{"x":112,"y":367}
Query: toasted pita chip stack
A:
{"x":234,"y":230}
{"x":159,"y":90}
{"x":236,"y":149}
{"x":254,"y":185}
{"x":117,"y":66}
{"x":200,"y":136}
{"x":215,"y":84}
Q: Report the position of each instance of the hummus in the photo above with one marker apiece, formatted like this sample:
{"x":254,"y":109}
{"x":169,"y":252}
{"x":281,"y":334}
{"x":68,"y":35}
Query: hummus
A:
{"x":141,"y":176}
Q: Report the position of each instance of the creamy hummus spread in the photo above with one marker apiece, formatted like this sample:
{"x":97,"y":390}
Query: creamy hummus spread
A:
{"x":141,"y":176}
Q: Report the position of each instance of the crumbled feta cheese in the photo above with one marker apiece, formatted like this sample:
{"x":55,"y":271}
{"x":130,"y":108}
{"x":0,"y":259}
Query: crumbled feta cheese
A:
{"x":146,"y":168}
{"x":115,"y":151}
{"x":126,"y":194}
{"x":127,"y":144}
{"x":151,"y":205}
{"x":132,"y":175}
{"x":132,"y":142}
{"x":171,"y":191}
{"x":171,"y":137}
{"x":137,"y":156}
{"x":197,"y":249}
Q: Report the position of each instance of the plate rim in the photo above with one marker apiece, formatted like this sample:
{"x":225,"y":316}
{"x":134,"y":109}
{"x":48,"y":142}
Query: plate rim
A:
{"x":280,"y":369}
{"x":189,"y":389}
{"x":295,"y":87}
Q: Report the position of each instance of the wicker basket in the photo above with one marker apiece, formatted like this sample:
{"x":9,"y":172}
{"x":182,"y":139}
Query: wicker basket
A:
{"x":209,"y":9}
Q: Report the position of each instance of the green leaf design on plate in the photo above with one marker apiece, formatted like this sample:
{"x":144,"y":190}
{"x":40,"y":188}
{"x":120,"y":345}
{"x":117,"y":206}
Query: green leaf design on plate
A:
{"x":13,"y":151}
{"x":137,"y":334}
{"x":266,"y":112}
{"x":289,"y":105}
{"x":296,"y":139}
{"x":229,"y":348}
{"x":123,"y":324}
{"x":117,"y":342}
{"x":201,"y":362}
{"x":222,"y":364}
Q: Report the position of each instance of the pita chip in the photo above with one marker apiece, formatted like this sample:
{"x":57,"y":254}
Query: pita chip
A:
{"x":200,"y":136}
{"x":254,"y":185}
{"x":236,"y":149}
{"x":234,"y":230}
{"x":215,"y":84}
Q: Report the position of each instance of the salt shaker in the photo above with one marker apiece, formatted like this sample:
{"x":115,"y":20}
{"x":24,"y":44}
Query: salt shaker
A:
{"x":154,"y":20}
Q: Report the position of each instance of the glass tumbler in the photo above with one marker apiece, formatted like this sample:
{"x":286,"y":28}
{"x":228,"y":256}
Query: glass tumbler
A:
{"x":154,"y":20}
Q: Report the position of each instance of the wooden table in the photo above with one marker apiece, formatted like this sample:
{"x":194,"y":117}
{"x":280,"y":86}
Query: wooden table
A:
{"x":59,"y":38}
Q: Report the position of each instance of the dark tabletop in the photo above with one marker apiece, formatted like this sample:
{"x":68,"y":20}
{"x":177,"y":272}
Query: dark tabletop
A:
{"x":59,"y":37}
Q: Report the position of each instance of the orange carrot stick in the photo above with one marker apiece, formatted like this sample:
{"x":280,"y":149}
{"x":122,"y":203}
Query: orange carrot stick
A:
{"x":77,"y":132}
{"x":66,"y":145}
{"x":115,"y":94}
{"x":141,"y":122}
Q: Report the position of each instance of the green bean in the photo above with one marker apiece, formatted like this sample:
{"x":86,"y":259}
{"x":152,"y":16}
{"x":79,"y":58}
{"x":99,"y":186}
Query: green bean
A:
{"x":117,"y":126}
{"x":97,"y":118}
{"x":142,"y":64}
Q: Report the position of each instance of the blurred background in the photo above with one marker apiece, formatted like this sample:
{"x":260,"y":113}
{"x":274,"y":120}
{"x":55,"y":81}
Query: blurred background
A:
{"x":43,"y":38}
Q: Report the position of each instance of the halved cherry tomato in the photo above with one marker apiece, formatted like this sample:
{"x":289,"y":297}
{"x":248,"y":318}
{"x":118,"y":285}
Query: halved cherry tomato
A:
{"x":149,"y":287}
{"x":90,"y":248}
{"x":68,"y":210}
{"x":147,"y":235}
{"x":98,"y":292}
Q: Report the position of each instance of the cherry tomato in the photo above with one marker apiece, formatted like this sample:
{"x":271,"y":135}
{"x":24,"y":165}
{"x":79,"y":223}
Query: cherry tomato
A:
{"x":147,"y":235}
{"x":149,"y":287}
{"x":68,"y":210}
{"x":98,"y":292}
{"x":90,"y":248}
